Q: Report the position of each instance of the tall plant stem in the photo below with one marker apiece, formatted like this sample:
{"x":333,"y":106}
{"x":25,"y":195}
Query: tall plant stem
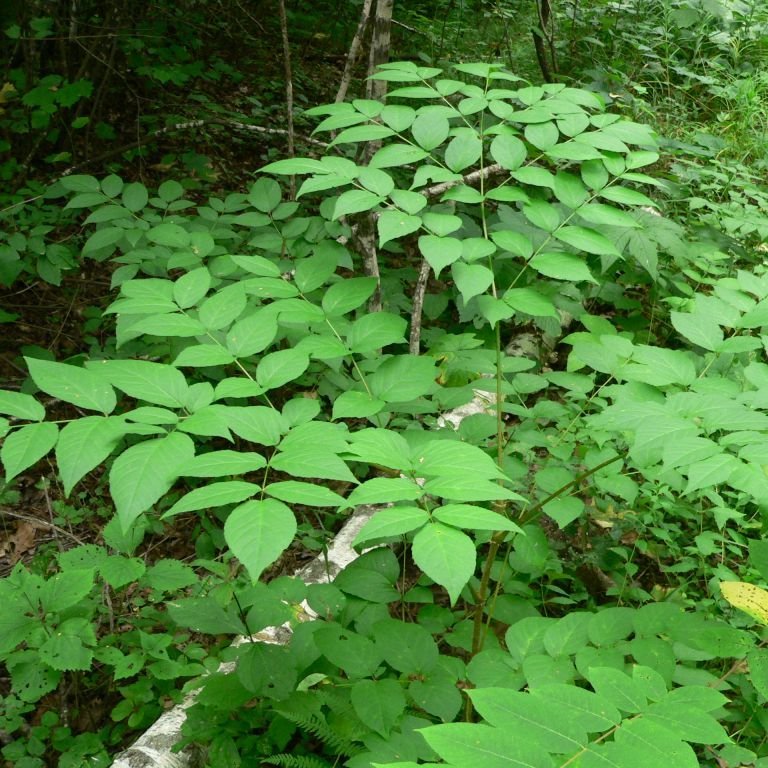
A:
{"x":478,"y":635}
{"x":288,"y":88}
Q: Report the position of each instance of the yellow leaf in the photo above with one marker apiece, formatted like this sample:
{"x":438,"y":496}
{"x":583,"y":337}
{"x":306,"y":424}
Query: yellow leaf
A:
{"x":5,"y":92}
{"x":748,"y":598}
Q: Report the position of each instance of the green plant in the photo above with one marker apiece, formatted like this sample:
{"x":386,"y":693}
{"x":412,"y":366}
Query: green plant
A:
{"x":67,"y":635}
{"x":271,"y":396}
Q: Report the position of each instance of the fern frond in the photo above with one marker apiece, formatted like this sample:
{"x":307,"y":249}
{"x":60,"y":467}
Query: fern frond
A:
{"x":316,"y":726}
{"x":296,"y":761}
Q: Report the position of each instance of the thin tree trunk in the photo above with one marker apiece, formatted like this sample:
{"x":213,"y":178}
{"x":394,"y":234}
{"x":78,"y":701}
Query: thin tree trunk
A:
{"x":354,"y":51}
{"x":288,"y":88}
{"x":375,"y":89}
{"x":544,"y":40}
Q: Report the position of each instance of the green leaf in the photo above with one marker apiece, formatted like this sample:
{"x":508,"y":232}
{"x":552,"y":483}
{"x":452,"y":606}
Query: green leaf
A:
{"x":213,"y":495}
{"x":315,"y":270}
{"x":530,"y":301}
{"x":169,"y":234}
{"x":153,"y":382}
{"x":474,"y":518}
{"x":393,"y":521}
{"x":65,"y":653}
{"x":349,"y":294}
{"x":278,"y":368}
{"x":219,"y":310}
{"x":515,"y":242}
{"x":135,"y":196}
{"x":172,"y":324}
{"x":463,"y":150}
{"x":84,"y":444}
{"x":531,"y":719}
{"x":356,"y":405}
{"x":143,"y":473}
{"x":543,"y":136}
{"x":402,"y":378}
{"x":103,"y":238}
{"x":75,"y":385}
{"x":465,"y":744}
{"x":354,"y":654}
{"x":355,"y":201}
{"x":406,"y":647}
{"x":26,"y":446}
{"x":252,"y":334}
{"x":378,"y":703}
{"x":588,"y":240}
{"x":306,"y":494}
{"x":619,"y":689}
{"x":203,"y":356}
{"x":397,"y":116}
{"x":395,"y":155}
{"x":562,"y":266}
{"x":607,"y":215}
{"x":568,"y":635}
{"x":295,"y":165}
{"x":384,"y":490}
{"x":192,"y":287}
{"x":446,"y":555}
{"x":699,"y":329}
{"x":363,"y":133}
{"x":21,"y":405}
{"x":169,"y":576}
{"x":220,"y":463}
{"x":430,"y":130}
{"x":570,"y":190}
{"x":542,"y":214}
{"x":66,"y":589}
{"x":376,"y":181}
{"x":467,"y":488}
{"x":440,"y":251}
{"x":203,"y":614}
{"x":626,"y":196}
{"x":408,"y":201}
{"x":712,"y":471}
{"x":394,"y":224}
{"x":508,"y":151}
{"x":372,"y":332}
{"x":258,"y":532}
{"x":307,"y":461}
{"x":256,"y":423}
{"x":451,"y":457}
{"x":471,"y":279}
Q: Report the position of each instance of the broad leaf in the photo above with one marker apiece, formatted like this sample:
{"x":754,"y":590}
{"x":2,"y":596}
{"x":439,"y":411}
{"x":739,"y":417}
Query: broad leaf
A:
{"x":446,"y":555}
{"x":394,"y":224}
{"x":26,"y":446}
{"x":258,"y":532}
{"x":143,"y":473}
{"x":21,"y":405}
{"x":562,"y":266}
{"x":372,"y":332}
{"x":220,"y":463}
{"x":153,"y":382}
{"x":78,"y":386}
{"x":84,"y":444}
{"x":393,"y":521}
{"x":440,"y":252}
{"x":213,"y":495}
{"x":278,"y":368}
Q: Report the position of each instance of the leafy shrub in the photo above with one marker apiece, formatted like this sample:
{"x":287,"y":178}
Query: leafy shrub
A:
{"x":248,"y":387}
